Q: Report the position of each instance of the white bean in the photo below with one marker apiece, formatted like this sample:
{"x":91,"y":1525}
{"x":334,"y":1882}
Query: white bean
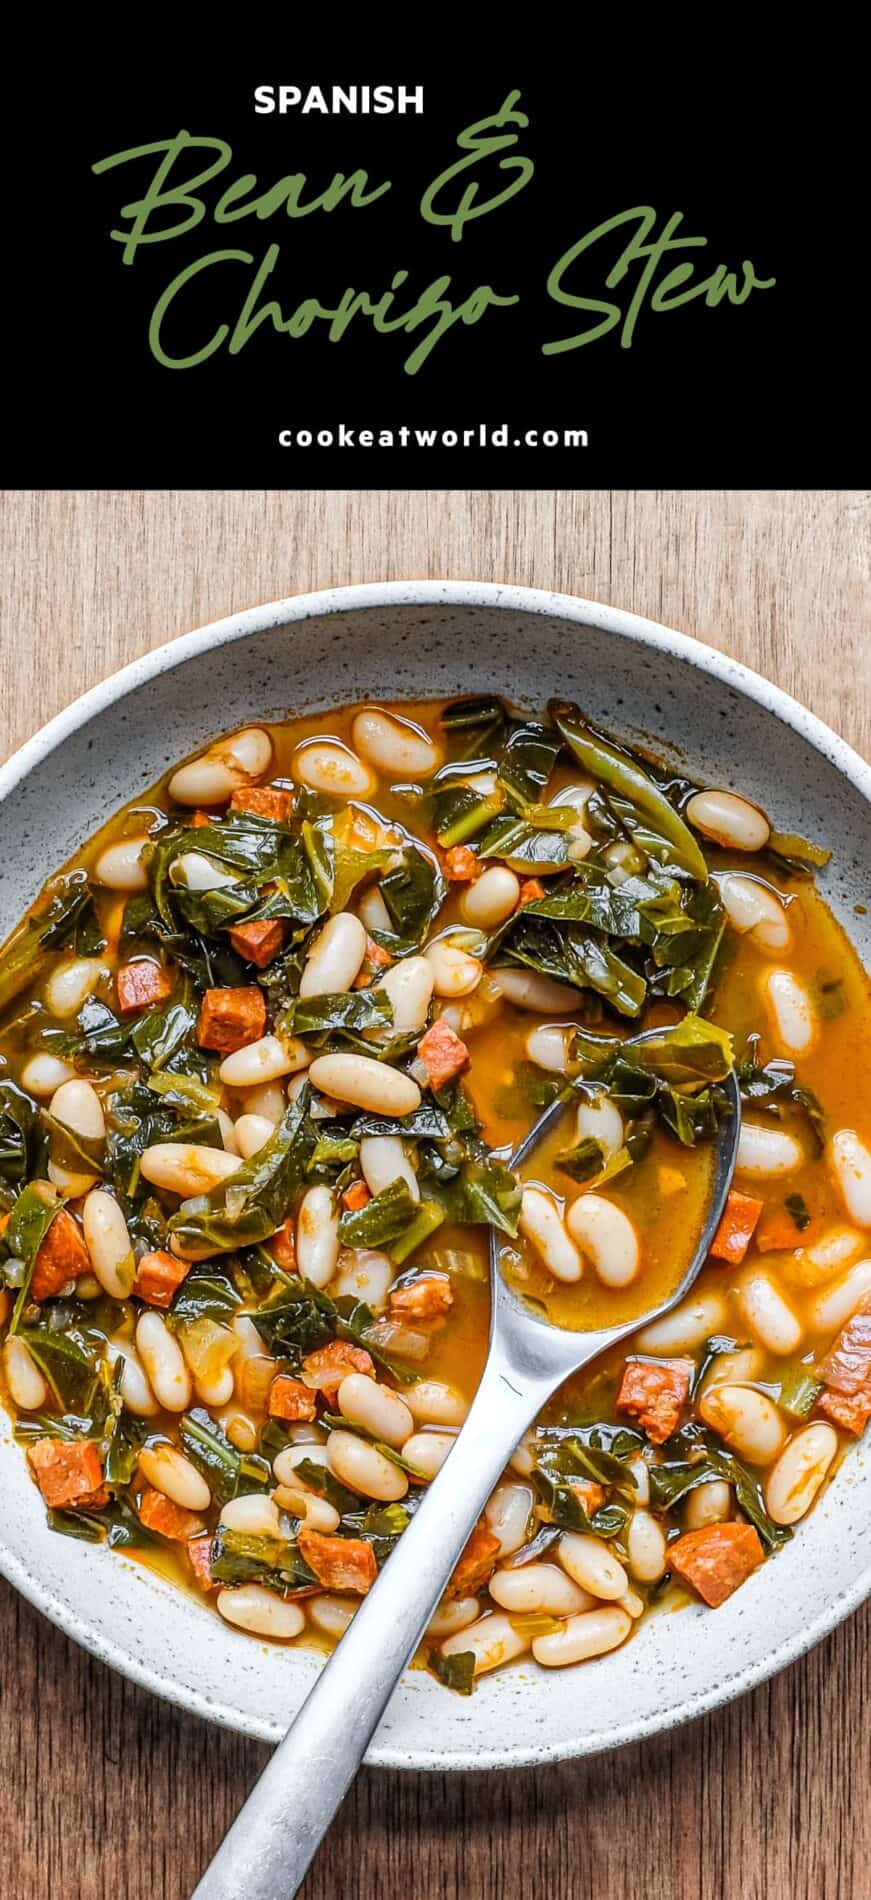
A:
{"x":492,"y":1641}
{"x":491,"y":899}
{"x":69,"y":987}
{"x":641,"y":1473}
{"x":794,"y":1481}
{"x":645,"y":1548}
{"x":791,"y":1011}
{"x":266,"y":1100}
{"x":427,"y":1451}
{"x":632,"y":1603}
{"x":593,"y":1633}
{"x":731,"y":821}
{"x":454,"y":972}
{"x":263,"y":1061}
{"x":694,"y":1320}
{"x":332,"y":1614}
{"x":523,"y":1459}
{"x":252,"y":1133}
{"x":26,"y":1385}
{"x":599,"y":1119}
{"x":833,"y":1249}
{"x":365,"y":1083}
{"x":253,"y":1516}
{"x":164,"y":1364}
{"x":507,"y":1516}
{"x":217,"y":1390}
{"x":183,"y":1167}
{"x":43,"y":1074}
{"x":851,"y":1166}
{"x":328,"y":766}
{"x":120,"y":866}
{"x":317,"y":1236}
{"x":744,"y":1367}
{"x":210,"y":779}
{"x":433,"y":1403}
{"x":335,"y":957}
{"x":193,"y":871}
{"x":746,"y":1419}
{"x":77,"y":1105}
{"x":285,"y":1465}
{"x":365,"y":1275}
{"x":365,"y":1469}
{"x":528,"y":989}
{"x":591,"y":1564}
{"x":709,"y":1503}
{"x":136,"y":1393}
{"x":383,"y":1161}
{"x":171,"y":1473}
{"x":252,"y":1608}
{"x":832,"y":1309}
{"x":542,"y":1225}
{"x":316,"y":1513}
{"x":373,"y":912}
{"x":768,"y":1315}
{"x":228,"y":1132}
{"x":766,"y":1152}
{"x":362,"y":1401}
{"x":409,"y":985}
{"x":396,"y":747}
{"x":452,"y":1614}
{"x":538,"y":1587}
{"x":549,"y":1047}
{"x":108,"y":1244}
{"x":755,"y":910}
{"x":606,"y":1235}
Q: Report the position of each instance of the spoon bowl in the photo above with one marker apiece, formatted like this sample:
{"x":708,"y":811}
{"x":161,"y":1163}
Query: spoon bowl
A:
{"x":272,"y":1842}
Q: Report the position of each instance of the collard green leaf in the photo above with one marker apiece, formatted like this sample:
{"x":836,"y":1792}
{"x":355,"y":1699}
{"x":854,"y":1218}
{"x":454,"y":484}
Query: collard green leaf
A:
{"x":575,"y":955}
{"x":382,"y":1220}
{"x":620,"y":771}
{"x":677,"y":1475}
{"x":252,"y":1204}
{"x":526,"y":762}
{"x":413,"y":893}
{"x":525,"y":847}
{"x":29,"y":1222}
{"x":273,"y":1562}
{"x":68,"y":1369}
{"x":18,"y":1120}
{"x":456,"y":1672}
{"x":229,"y":1473}
{"x":474,"y":726}
{"x":328,"y":1021}
{"x":205,"y":1293}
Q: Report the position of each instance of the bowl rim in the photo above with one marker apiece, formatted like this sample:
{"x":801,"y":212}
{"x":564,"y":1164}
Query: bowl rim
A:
{"x":633,"y":627}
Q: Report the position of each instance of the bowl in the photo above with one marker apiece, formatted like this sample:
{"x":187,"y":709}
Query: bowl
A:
{"x":404,"y":640}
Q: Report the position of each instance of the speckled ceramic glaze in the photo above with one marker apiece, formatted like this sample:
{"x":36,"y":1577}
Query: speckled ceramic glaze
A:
{"x":727,"y":726}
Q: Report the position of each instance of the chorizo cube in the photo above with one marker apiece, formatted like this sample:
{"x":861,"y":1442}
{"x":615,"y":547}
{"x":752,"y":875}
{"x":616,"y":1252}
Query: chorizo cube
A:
{"x":259,"y":942}
{"x":265,"y":801}
{"x":716,"y":1560}
{"x":339,"y":1563}
{"x":443,"y":1053}
{"x":159,"y":1277}
{"x":290,"y":1399}
{"x":230,"y":1019}
{"x":199,"y":1551}
{"x":324,"y":1370}
{"x":461,"y":865}
{"x":476,"y":1564}
{"x":62,"y":1256}
{"x":428,"y":1297}
{"x":69,"y":1473}
{"x":141,"y":984}
{"x":167,"y":1519}
{"x":737,"y":1227}
{"x":846,"y":1372}
{"x":655,"y":1393}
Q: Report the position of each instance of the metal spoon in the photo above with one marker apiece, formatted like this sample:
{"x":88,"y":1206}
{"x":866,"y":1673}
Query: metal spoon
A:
{"x":273,"y":1840}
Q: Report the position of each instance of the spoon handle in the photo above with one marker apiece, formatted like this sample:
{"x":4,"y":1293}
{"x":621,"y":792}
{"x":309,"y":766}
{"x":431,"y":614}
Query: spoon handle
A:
{"x":271,"y":1843}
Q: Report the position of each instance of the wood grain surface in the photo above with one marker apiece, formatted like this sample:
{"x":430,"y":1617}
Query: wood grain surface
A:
{"x":106,"y":1791}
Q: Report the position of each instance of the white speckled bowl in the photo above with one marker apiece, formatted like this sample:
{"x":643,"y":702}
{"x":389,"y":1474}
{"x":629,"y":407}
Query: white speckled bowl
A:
{"x":411,"y":639}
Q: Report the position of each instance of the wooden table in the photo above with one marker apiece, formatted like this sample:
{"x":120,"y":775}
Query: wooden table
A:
{"x":108,"y":1792}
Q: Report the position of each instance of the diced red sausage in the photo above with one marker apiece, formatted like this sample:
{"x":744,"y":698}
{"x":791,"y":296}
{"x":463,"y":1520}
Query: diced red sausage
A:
{"x":356,"y":1196}
{"x":160,"y":1514}
{"x":69,"y":1473}
{"x":590,"y":1496}
{"x":461,"y":865}
{"x":737,"y":1227}
{"x":324,"y":1370}
{"x":846,"y":1372}
{"x":159,"y":1277}
{"x":259,"y":942}
{"x":230,"y":1019}
{"x":62,"y":1256}
{"x":426,"y":1298}
{"x":531,"y":892}
{"x":655,"y":1392}
{"x":199,"y":1551}
{"x":289,"y":1398}
{"x":716,"y":1560}
{"x":443,"y":1053}
{"x":282,"y":1246}
{"x":140,"y":984}
{"x":339,"y":1563}
{"x":265,"y":801}
{"x":476,"y":1565}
